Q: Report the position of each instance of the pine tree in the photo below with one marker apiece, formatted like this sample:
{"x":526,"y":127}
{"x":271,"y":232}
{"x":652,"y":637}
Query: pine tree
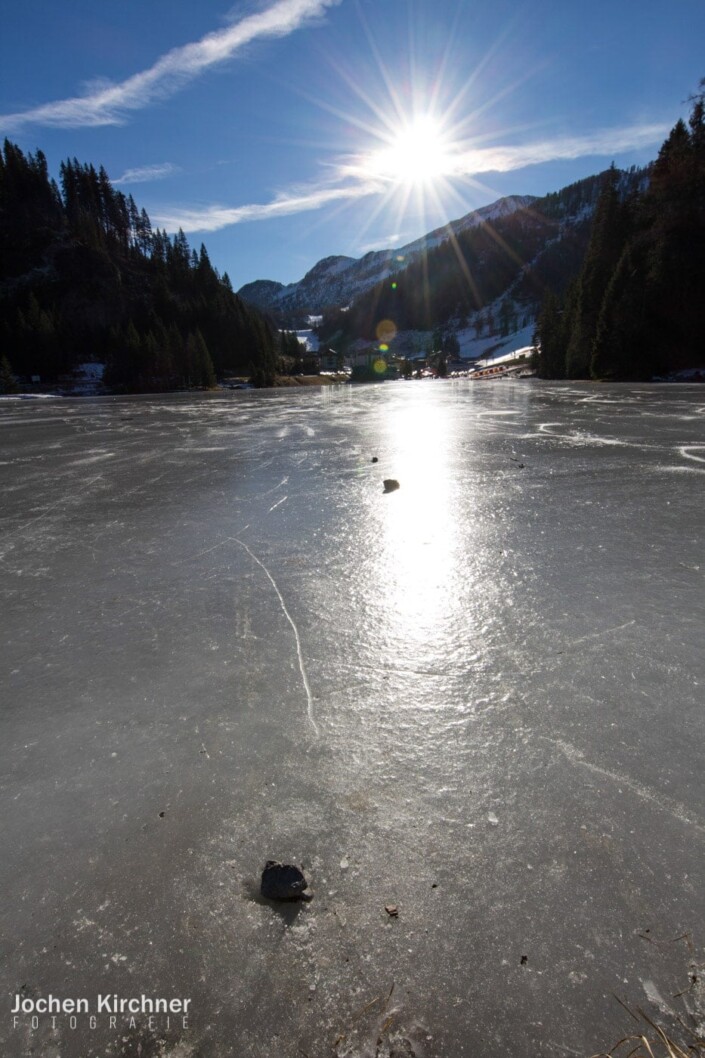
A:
{"x":144,"y":233}
{"x":653,"y":314}
{"x":8,"y":382}
{"x":550,"y":339}
{"x":622,"y":346}
{"x":263,"y":356}
{"x":176,"y":351}
{"x":96,"y":279}
{"x":180,"y":253}
{"x":505,"y":316}
{"x":201,"y":370}
{"x":609,"y":234}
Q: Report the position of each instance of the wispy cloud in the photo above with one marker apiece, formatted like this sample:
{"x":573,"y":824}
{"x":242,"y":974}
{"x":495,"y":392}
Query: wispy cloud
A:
{"x":603,"y":143}
{"x":385,"y":242}
{"x":459,"y":160}
{"x":109,"y":104}
{"x":212,"y":218}
{"x":146,"y":173}
{"x":355,"y":179}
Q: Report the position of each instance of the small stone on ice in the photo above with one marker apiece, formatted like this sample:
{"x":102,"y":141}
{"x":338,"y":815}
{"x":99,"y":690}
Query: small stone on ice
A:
{"x":492,"y":818}
{"x":344,"y":864}
{"x":283,"y":881}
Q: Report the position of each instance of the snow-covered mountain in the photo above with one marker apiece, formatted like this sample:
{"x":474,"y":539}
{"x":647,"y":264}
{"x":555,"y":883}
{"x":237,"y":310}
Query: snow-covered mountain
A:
{"x":335,"y":281}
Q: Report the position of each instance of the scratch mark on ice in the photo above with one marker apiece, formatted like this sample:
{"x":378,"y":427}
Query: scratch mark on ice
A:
{"x":200,"y":554}
{"x":299,"y":652}
{"x":277,"y":504}
{"x":598,"y":635}
{"x":688,"y":452}
{"x":666,"y":804}
{"x":52,"y":506}
{"x":92,"y":459}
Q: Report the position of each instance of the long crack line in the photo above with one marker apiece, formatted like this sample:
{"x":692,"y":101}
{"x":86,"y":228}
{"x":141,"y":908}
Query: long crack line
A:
{"x":290,"y":619}
{"x":662,"y":801}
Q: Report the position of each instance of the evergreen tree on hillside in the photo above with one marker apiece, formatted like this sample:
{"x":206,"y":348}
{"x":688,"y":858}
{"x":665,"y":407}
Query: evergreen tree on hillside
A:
{"x":8,"y":382}
{"x":263,"y":364}
{"x":609,"y":234}
{"x":31,"y":211}
{"x":675,"y":212}
{"x":83,"y":275}
{"x":652,"y":318}
{"x":623,"y":348}
{"x":550,"y":339}
{"x":201,"y":371}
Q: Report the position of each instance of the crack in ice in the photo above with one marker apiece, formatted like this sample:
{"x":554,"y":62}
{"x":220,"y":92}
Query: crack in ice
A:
{"x":666,"y":804}
{"x":299,"y":652}
{"x":599,"y":635}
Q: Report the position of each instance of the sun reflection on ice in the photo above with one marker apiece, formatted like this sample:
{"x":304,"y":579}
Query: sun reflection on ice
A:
{"x":420,"y":548}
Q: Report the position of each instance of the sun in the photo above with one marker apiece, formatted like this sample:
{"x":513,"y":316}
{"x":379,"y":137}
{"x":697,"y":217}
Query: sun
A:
{"x":418,"y":154}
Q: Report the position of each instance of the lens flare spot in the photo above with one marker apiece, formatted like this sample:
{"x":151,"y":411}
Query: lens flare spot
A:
{"x":394,"y":286}
{"x":386,"y":331}
{"x":383,"y":348}
{"x":379,"y":366}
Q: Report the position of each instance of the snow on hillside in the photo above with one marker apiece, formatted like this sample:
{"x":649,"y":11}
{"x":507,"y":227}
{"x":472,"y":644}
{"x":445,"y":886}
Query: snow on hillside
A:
{"x":335,"y":281}
{"x":416,"y":345}
{"x":309,"y":340}
{"x":492,"y":347}
{"x":502,"y":208}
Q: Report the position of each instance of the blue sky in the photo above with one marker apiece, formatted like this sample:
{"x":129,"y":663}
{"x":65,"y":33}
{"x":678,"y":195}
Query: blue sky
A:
{"x":282,"y":132}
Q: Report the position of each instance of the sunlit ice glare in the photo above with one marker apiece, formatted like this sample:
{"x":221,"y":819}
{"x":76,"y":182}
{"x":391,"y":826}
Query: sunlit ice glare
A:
{"x":420,"y":549}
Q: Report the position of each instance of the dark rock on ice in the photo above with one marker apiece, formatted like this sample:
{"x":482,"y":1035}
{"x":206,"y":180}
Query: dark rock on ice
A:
{"x":375,"y":459}
{"x":390,"y":485}
{"x":283,"y":881}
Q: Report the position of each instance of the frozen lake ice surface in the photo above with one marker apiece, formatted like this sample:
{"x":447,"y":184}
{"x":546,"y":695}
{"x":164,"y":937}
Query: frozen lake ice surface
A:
{"x":476,"y":700}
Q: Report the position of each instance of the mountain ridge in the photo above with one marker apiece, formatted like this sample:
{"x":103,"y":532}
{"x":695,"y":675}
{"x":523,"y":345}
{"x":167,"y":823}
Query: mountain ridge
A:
{"x":337,"y":279}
